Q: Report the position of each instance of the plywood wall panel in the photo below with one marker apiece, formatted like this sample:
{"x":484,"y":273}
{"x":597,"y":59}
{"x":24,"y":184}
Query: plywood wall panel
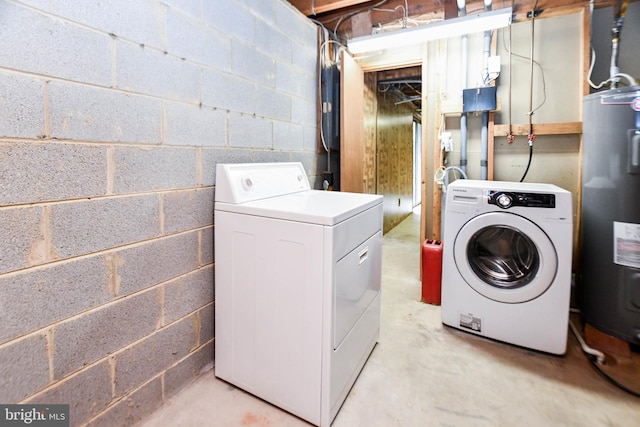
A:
{"x":351,"y":126}
{"x":370,"y":127}
{"x":395,"y":158}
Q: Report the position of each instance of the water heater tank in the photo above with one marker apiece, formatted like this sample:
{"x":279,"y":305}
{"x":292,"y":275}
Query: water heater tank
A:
{"x":609,"y":280}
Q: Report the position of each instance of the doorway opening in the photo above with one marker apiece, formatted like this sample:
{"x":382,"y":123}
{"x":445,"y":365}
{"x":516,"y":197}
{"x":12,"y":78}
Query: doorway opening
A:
{"x":392,"y":107}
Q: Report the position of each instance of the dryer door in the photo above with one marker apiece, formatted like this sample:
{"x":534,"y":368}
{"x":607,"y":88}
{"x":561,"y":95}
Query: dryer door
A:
{"x":505,"y":257}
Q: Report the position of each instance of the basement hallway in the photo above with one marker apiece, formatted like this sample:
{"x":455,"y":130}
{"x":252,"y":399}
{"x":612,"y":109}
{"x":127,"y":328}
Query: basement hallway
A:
{"x":422,"y":373}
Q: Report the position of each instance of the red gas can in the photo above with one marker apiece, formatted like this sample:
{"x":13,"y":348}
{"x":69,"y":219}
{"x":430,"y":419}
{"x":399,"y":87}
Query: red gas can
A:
{"x":431,"y":271}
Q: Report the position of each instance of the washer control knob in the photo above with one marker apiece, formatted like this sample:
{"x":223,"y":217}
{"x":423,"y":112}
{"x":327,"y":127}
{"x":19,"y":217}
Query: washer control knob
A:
{"x":504,"y":201}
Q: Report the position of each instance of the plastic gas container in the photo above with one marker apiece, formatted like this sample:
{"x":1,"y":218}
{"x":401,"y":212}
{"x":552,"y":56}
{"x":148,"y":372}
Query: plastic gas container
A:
{"x":431,"y":271}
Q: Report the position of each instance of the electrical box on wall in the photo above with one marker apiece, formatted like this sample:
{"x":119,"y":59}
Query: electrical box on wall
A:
{"x":330,"y":92}
{"x":493,"y":65}
{"x":479,"y":99}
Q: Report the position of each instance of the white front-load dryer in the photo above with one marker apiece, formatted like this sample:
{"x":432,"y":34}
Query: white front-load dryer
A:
{"x":507,"y":252}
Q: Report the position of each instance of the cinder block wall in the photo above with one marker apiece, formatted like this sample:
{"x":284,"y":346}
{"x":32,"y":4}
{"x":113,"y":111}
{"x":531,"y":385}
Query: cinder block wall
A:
{"x":113,"y":116}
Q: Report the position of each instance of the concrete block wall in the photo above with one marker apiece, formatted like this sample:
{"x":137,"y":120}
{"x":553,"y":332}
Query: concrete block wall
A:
{"x":113,"y":116}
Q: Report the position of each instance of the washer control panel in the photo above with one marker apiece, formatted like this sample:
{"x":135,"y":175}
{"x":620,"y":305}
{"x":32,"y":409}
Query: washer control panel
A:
{"x":508,"y":199}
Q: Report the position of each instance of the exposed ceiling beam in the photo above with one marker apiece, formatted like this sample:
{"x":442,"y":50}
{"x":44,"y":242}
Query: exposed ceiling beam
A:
{"x":317,"y":7}
{"x":450,"y":9}
{"x":336,"y":12}
{"x":402,"y":73}
{"x":390,"y":11}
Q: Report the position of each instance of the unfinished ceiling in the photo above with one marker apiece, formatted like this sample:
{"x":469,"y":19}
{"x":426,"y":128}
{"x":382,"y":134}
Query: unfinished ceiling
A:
{"x":346,"y":19}
{"x":406,"y":83}
{"x":358,"y":17}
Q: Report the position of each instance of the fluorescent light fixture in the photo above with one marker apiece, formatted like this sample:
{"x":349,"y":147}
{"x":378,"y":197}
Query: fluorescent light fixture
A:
{"x":467,"y":24}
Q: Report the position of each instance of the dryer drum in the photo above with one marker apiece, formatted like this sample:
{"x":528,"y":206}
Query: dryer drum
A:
{"x":503,"y":257}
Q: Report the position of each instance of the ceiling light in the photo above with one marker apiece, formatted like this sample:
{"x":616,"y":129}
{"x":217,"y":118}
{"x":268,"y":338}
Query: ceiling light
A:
{"x":439,"y":30}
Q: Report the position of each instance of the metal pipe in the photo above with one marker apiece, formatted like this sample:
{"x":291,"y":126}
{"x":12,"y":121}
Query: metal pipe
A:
{"x":530,"y":113}
{"x":510,"y":136}
{"x":614,"y":70}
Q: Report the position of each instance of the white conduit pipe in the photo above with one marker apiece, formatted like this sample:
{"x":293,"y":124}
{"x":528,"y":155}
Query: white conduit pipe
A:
{"x":585,"y":348}
{"x":484,"y":135}
{"x":484,"y":146}
{"x":462,"y":11}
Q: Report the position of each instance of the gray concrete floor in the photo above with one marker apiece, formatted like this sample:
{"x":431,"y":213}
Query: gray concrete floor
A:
{"x":422,"y":373}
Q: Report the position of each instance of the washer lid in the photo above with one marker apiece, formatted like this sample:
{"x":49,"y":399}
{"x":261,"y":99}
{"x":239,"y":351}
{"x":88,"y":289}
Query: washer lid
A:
{"x":311,"y":206}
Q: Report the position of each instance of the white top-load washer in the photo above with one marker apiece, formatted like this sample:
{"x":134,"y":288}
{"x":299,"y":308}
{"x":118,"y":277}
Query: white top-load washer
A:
{"x":297,"y":286}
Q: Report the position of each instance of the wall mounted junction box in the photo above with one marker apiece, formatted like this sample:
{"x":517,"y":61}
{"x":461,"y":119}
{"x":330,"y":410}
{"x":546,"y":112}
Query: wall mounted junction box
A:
{"x":479,"y":99}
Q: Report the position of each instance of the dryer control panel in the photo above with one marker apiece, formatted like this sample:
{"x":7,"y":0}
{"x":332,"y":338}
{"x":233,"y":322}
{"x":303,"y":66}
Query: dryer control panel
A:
{"x":508,"y":199}
{"x":246,"y":182}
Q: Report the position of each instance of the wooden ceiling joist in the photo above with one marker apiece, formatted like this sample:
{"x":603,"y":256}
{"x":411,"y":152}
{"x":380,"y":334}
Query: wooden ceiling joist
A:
{"x":317,"y":7}
{"x":390,"y":11}
{"x":330,"y":12}
{"x":401,"y":73}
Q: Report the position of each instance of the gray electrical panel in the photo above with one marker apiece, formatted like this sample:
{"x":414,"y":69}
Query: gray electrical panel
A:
{"x":479,"y":99}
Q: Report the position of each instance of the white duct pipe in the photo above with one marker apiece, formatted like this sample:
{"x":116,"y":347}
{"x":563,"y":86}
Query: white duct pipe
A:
{"x":462,"y":11}
{"x":484,"y":146}
{"x":484,"y":135}
{"x":486,"y":53}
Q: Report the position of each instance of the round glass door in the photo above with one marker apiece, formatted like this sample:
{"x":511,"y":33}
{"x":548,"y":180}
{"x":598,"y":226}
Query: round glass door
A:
{"x":505,"y":257}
